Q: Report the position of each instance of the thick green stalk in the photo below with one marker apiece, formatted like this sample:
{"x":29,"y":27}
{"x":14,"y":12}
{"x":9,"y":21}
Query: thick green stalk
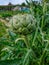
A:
{"x":35,"y":36}
{"x":44,"y":13}
{"x":27,"y":57}
{"x":36,"y":32}
{"x":43,"y":54}
{"x":25,"y":39}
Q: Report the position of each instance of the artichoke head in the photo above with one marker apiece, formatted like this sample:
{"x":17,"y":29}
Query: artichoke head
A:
{"x":23,"y":24}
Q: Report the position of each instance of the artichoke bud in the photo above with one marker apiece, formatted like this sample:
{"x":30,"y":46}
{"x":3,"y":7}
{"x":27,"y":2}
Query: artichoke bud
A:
{"x":23,"y":24}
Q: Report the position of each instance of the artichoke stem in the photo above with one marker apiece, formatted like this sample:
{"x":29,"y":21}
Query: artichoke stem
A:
{"x":23,"y":38}
{"x":26,"y":41}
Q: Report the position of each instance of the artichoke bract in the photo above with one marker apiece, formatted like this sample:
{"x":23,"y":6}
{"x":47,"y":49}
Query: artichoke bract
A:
{"x":23,"y":24}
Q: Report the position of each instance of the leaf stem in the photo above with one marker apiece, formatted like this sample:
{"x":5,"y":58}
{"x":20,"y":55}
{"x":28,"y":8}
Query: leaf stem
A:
{"x":44,"y":52}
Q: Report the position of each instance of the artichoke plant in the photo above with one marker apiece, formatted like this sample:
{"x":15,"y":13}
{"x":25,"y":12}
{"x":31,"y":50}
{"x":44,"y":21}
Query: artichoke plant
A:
{"x":2,"y":29}
{"x":23,"y":24}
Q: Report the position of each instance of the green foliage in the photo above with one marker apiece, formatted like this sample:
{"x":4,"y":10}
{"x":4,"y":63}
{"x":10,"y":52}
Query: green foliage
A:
{"x":2,"y":29}
{"x":30,"y":49}
{"x":5,"y":14}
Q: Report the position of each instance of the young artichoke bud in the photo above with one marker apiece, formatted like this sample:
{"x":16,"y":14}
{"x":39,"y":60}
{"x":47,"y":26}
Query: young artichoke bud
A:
{"x":23,"y":24}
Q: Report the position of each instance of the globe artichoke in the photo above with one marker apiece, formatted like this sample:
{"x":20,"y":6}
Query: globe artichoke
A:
{"x":23,"y":24}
